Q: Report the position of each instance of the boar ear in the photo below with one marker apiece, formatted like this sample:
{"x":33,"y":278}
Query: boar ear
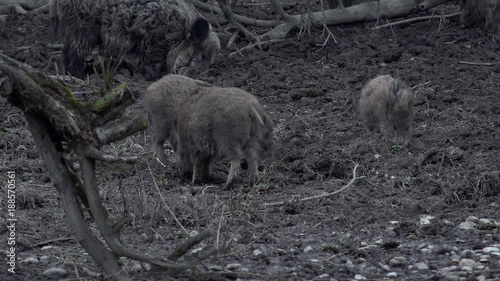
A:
{"x":395,"y":86}
{"x":200,"y":31}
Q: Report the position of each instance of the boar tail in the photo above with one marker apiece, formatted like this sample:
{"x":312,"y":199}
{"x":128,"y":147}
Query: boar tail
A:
{"x":54,"y":19}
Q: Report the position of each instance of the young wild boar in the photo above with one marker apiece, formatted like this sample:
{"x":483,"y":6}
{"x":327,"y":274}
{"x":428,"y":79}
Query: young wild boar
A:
{"x":154,"y":37}
{"x":386,"y":105}
{"x":223,"y":123}
{"x":481,"y":12}
{"x":161,"y":101}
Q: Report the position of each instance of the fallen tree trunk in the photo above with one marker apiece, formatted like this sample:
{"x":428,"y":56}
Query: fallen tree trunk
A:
{"x":363,"y":12}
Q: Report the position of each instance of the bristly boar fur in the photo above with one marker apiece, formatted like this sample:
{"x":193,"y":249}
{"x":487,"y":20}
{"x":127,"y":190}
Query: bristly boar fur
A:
{"x":223,"y":123}
{"x":386,"y":105}
{"x":483,"y":13}
{"x":155,"y":37}
{"x":161,"y":101}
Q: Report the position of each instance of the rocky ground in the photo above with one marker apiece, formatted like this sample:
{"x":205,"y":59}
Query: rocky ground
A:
{"x":429,"y":211}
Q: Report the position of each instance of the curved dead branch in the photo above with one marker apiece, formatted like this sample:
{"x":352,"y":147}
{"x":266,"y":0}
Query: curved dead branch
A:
{"x":351,"y":183}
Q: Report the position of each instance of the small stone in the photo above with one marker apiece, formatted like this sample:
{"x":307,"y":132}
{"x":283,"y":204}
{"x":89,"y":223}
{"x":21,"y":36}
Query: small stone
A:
{"x":426,"y":251}
{"x":314,"y":260}
{"x":452,"y":277}
{"x":472,"y":219}
{"x":31,"y":260}
{"x":281,"y":251}
{"x":360,"y":260}
{"x":216,"y":268}
{"x":233,"y":266}
{"x":455,"y":258}
{"x":449,"y":223}
{"x":467,"y":225}
{"x":196,"y":250}
{"x":495,"y":254}
{"x":359,"y":277}
{"x":257,"y":253}
{"x":144,"y":237}
{"x":467,"y":263}
{"x":323,"y":276}
{"x":467,"y":268}
{"x":349,"y":264}
{"x":308,"y":249}
{"x":421,"y":246}
{"x":487,"y":222}
{"x":394,"y":222}
{"x":398,"y":261}
{"x":136,"y":268}
{"x":467,"y":254}
{"x":193,"y":233}
{"x":363,"y":244}
{"x":489,"y":250}
{"x":425,"y":219}
{"x":237,"y":237}
{"x":44,"y":258}
{"x":412,"y":237}
{"x":244,"y":269}
{"x":453,"y":268}
{"x":481,"y":278}
{"x":421,"y":266}
{"x":484,"y":258}
{"x":54,"y":272}
{"x":392,"y":274}
{"x":480,"y":267}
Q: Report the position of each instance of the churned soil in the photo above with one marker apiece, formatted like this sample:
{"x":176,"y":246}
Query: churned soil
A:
{"x":410,"y":201}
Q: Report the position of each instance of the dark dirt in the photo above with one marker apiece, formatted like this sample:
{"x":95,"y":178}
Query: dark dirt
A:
{"x":450,"y":170}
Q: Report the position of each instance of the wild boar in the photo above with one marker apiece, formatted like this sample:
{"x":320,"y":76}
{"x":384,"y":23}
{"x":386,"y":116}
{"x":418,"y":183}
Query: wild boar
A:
{"x":161,"y":101}
{"x":481,"y":12}
{"x":386,"y":105}
{"x":223,"y":123}
{"x":153,"y":37}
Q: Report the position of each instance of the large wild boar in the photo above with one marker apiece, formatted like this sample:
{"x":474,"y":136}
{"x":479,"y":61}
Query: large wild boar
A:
{"x":154,"y":37}
{"x":485,"y":13}
{"x":223,"y":123}
{"x":386,"y":105}
{"x":161,"y":101}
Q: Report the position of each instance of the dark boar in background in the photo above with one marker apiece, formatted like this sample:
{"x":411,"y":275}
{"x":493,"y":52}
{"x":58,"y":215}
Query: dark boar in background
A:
{"x":155,"y":37}
{"x":483,"y":13}
{"x":223,"y":123}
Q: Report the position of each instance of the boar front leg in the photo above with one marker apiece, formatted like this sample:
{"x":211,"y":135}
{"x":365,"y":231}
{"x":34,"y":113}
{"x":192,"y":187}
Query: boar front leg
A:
{"x":253,"y":165}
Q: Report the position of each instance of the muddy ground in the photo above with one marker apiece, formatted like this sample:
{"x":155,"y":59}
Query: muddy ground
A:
{"x":411,"y":202}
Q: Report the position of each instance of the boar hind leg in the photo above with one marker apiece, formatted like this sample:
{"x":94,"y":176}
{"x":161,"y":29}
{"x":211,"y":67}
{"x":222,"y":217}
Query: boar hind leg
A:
{"x":197,"y":167}
{"x":233,"y":173}
{"x":201,"y":171}
{"x":159,"y":138}
{"x":252,"y":160}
